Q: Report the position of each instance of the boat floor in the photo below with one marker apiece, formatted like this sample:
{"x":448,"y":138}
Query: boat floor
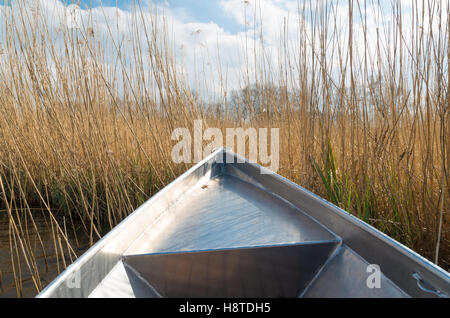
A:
{"x":228,"y":238}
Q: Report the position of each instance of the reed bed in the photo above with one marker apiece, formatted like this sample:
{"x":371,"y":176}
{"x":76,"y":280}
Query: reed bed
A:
{"x":83,"y":143}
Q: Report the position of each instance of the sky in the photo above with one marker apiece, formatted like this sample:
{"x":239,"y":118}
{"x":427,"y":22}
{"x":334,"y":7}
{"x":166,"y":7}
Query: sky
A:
{"x":187,"y":11}
{"x":201,"y":30}
{"x":211,"y":37}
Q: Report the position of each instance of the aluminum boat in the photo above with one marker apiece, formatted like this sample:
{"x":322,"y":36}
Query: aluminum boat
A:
{"x":230,"y":228}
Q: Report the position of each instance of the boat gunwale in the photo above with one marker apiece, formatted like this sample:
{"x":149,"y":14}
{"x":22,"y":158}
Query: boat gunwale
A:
{"x":97,"y":247}
{"x":413,"y":256}
{"x":260,"y":176}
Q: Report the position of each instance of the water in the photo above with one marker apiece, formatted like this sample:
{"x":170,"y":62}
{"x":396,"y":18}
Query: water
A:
{"x":47,"y":265}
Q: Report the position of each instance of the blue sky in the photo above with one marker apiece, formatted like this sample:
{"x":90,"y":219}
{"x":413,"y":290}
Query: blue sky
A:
{"x":205,"y":12}
{"x":202,"y":30}
{"x":187,"y":11}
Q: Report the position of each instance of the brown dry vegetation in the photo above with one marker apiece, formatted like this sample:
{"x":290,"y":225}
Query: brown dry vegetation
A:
{"x":85,"y":145}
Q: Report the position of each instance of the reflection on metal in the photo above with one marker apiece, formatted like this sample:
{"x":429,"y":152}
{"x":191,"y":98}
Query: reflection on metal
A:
{"x":277,"y":271}
{"x":226,"y":230}
{"x":346,"y":276}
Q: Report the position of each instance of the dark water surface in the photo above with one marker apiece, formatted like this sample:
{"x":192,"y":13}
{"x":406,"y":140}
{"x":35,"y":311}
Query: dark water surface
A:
{"x":47,"y":263}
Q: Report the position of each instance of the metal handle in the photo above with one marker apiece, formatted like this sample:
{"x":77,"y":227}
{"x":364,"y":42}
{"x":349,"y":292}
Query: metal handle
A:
{"x":426,"y":287}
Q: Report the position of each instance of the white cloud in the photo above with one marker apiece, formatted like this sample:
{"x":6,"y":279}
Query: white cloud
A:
{"x":198,"y":46}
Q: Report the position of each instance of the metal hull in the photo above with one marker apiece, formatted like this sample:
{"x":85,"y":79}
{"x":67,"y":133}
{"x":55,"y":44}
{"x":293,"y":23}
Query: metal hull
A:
{"x":226,"y":230}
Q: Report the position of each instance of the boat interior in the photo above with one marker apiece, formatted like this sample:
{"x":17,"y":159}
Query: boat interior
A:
{"x":234,"y":239}
{"x":236,"y":230}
